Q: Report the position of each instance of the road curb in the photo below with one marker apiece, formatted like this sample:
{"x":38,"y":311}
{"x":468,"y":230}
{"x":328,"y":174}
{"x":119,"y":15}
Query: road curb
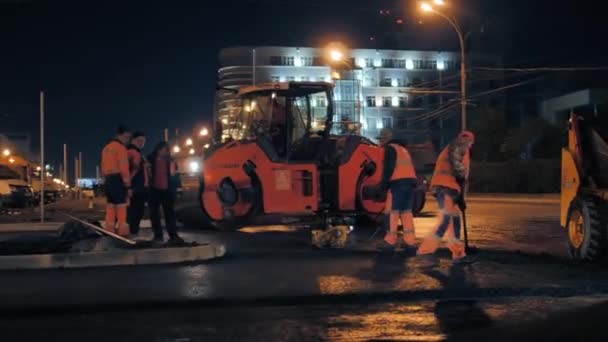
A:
{"x":157,"y":256}
{"x":518,"y":200}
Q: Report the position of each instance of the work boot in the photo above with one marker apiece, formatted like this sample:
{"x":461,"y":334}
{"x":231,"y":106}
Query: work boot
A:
{"x":386,"y":247}
{"x":176,"y":241}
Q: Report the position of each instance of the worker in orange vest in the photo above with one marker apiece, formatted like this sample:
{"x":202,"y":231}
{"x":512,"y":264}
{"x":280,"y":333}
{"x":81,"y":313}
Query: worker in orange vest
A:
{"x":139,"y":169}
{"x":399,"y":179}
{"x":115,"y":170}
{"x":449,"y":183}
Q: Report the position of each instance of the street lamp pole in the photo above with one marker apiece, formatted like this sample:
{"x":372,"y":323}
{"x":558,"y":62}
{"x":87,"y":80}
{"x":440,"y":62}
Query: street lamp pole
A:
{"x":463,"y":64}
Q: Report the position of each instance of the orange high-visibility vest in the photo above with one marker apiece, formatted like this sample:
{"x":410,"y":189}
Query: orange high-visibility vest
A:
{"x":115,"y":160}
{"x":444,"y":175}
{"x":404,"y":167}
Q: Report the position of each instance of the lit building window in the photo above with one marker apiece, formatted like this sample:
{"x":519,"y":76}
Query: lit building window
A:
{"x":297,"y":61}
{"x":282,"y":60}
{"x":394,"y":82}
{"x":377,"y":63}
{"x":387,"y":101}
{"x":321,"y":101}
{"x":440,"y":65}
{"x":371,"y":123}
{"x":395,"y":101}
{"x":402,"y":102}
{"x":409,"y":64}
{"x":379,"y":124}
{"x":370,"y":101}
{"x":387,"y":122}
{"x":360,"y":62}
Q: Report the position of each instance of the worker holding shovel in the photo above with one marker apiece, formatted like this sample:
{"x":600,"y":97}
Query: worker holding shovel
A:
{"x":449,"y":183}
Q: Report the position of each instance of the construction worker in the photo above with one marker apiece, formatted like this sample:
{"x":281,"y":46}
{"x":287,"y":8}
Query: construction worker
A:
{"x":163,"y":189}
{"x":399,"y":179}
{"x":449,"y":183}
{"x":115,"y":170}
{"x":139,"y":170}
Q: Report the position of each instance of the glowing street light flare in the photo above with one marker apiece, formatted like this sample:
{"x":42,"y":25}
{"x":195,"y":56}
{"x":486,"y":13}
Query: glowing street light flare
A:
{"x":439,"y":2}
{"x":192,"y":151}
{"x":12,"y":160}
{"x":176,"y":149}
{"x":225,"y":121}
{"x":206,"y":146}
{"x":336,"y":55}
{"x":204,"y":132}
{"x":6,"y":152}
{"x":194,"y":166}
{"x":189,"y":142}
{"x":426,"y":7}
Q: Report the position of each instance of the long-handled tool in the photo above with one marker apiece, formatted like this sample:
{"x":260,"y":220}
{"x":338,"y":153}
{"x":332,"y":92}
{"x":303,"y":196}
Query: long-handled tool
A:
{"x":468,"y":249}
{"x":100,"y":230}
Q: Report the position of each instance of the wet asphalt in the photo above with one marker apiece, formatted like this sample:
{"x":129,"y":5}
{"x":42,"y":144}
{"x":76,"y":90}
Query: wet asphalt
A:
{"x":274,"y":286}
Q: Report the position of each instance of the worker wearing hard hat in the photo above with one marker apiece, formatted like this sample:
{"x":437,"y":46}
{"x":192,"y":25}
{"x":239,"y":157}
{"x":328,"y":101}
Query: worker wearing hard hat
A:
{"x":139,"y":170}
{"x":117,"y":181}
{"x":399,"y":179}
{"x":449,"y":183}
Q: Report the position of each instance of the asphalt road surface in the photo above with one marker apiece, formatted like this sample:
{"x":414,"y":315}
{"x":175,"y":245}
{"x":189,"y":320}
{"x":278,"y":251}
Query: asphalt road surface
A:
{"x":273,"y":286}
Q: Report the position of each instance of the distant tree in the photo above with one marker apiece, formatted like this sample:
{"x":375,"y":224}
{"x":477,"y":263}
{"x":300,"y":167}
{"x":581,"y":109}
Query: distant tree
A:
{"x":490,"y":133}
{"x":536,"y":139}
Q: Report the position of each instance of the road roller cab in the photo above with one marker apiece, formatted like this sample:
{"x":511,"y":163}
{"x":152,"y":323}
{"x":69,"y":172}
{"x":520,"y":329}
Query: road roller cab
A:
{"x":285,"y":157}
{"x":584,"y":188}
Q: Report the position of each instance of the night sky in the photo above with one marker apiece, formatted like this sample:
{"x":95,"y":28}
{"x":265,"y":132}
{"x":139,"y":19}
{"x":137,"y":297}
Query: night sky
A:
{"x":152,"y":64}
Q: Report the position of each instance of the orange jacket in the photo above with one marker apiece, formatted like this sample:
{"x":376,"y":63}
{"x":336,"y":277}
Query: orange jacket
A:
{"x":454,"y":162}
{"x":404,"y":167}
{"x":115,"y":160}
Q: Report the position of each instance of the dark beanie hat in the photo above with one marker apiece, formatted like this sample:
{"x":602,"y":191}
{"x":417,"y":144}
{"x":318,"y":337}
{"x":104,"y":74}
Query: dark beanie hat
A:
{"x":122,"y":129}
{"x":138,"y":134}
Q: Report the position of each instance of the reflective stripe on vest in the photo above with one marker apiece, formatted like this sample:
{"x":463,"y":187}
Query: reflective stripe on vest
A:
{"x":404,"y":168}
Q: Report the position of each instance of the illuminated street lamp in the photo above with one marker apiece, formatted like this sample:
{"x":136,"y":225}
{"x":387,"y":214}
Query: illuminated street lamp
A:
{"x":192,"y":151}
{"x":427,"y":7}
{"x":12,"y":160}
{"x":189,"y":142}
{"x":176,"y":149}
{"x":6,"y":152}
{"x":204,"y":132}
{"x":336,"y":55}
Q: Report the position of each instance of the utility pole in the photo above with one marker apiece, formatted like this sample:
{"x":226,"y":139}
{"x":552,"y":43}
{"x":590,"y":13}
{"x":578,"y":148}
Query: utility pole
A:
{"x":166,"y":135}
{"x":42,"y":166}
{"x":80,"y":164}
{"x":76,"y":176}
{"x":65,"y":163}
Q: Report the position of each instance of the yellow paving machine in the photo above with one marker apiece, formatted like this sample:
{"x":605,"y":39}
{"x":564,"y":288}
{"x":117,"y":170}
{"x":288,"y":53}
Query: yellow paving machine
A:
{"x":584,"y":186}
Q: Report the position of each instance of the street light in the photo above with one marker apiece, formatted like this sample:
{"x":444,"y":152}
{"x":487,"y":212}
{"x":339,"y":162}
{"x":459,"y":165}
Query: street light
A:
{"x":336,"y":55}
{"x":189,"y":142}
{"x":176,"y":149}
{"x":204,"y":132}
{"x":427,"y":7}
{"x":6,"y":152}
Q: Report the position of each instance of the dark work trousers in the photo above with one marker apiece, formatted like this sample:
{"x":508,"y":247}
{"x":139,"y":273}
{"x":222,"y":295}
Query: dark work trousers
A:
{"x":164,"y":199}
{"x":135,"y":212}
